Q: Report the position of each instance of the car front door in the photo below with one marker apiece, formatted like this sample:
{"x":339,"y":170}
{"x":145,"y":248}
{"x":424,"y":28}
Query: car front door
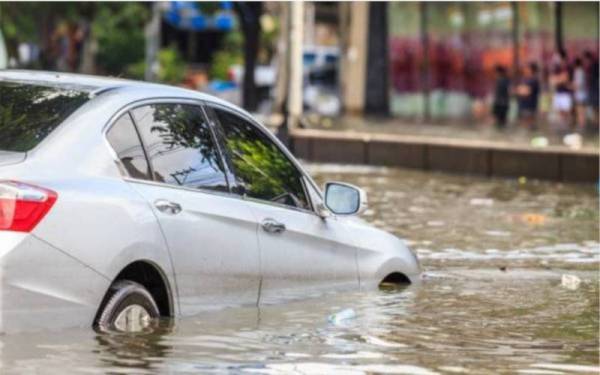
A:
{"x":301,"y":253}
{"x":211,"y":233}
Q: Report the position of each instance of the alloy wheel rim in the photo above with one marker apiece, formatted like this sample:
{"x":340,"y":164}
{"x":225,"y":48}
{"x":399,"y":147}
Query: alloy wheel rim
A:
{"x":133,"y":318}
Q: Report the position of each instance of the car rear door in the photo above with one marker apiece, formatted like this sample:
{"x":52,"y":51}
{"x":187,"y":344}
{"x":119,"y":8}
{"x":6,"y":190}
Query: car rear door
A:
{"x":211,"y":233}
{"x":300,"y":252}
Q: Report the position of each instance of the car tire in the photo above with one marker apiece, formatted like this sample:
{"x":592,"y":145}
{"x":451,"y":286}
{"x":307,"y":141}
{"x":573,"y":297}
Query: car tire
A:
{"x":127,"y":307}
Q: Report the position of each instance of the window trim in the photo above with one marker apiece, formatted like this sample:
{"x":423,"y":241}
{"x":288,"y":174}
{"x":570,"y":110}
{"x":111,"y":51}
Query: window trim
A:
{"x":208,"y":104}
{"x":142,"y":143}
{"x":210,"y":130}
{"x":146,"y":102}
{"x":122,"y":168}
{"x":283,"y":150}
{"x":212,"y":125}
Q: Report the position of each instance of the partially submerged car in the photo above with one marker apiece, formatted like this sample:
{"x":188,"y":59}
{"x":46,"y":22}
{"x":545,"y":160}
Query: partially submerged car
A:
{"x":124,"y":201}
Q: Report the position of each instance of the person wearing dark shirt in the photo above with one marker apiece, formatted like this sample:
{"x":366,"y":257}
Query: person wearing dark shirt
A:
{"x":593,"y":84}
{"x":580,"y":92}
{"x":528,"y":92}
{"x":562,"y":100}
{"x":501,"y":97}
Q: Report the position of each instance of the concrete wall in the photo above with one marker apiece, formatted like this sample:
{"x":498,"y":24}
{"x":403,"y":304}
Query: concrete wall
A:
{"x":458,"y":156}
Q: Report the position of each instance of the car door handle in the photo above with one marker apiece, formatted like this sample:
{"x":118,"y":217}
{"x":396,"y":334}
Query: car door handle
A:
{"x":167,"y":207}
{"x":273,"y":226}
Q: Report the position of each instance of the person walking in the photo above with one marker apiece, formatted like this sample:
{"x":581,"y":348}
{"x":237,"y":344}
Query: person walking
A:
{"x":528,"y":92}
{"x":580,"y":91}
{"x":501,"y":97}
{"x":562,"y":101}
{"x":593,"y":85}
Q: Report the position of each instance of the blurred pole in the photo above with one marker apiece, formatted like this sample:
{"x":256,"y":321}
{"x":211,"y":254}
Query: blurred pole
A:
{"x":295,"y":55}
{"x":354,"y":24}
{"x":377,"y":92}
{"x":558,"y":26}
{"x":282,"y":61}
{"x":89,"y":48}
{"x":423,"y":8}
{"x":515,"y":40}
{"x":250,"y":13}
{"x":465,"y":37}
{"x":152,"y":33}
{"x":282,"y":85}
{"x":309,"y":23}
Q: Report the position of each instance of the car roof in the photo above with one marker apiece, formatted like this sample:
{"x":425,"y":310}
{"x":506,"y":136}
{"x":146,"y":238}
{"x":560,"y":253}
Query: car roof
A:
{"x":96,"y":85}
{"x":81,"y":82}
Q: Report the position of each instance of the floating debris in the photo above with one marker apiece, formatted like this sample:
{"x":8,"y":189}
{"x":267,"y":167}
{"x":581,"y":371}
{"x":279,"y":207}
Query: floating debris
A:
{"x":573,"y":141}
{"x":481,"y":202}
{"x":571,"y":282}
{"x":535,"y":219}
{"x":436,"y":223}
{"x":497,"y":233}
{"x":539,"y":142}
{"x":342,"y":316}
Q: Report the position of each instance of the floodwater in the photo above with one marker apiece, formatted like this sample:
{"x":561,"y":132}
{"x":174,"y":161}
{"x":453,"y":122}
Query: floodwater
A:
{"x":491,"y":299}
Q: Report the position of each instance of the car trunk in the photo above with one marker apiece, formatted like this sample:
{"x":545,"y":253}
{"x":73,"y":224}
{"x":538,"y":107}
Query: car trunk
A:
{"x":9,"y":158}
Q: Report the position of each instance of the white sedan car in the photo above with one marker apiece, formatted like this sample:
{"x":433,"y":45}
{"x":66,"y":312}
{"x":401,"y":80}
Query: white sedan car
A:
{"x":122,"y":202}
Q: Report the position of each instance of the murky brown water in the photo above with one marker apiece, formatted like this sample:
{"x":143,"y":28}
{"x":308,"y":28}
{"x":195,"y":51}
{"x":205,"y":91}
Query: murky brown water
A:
{"x":491,"y":301}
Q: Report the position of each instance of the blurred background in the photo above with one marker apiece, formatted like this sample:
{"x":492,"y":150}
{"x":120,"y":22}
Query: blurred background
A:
{"x":507,"y":90}
{"x":524,"y":72}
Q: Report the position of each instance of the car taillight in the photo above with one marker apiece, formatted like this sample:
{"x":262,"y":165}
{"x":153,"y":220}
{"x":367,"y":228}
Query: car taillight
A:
{"x":23,"y":206}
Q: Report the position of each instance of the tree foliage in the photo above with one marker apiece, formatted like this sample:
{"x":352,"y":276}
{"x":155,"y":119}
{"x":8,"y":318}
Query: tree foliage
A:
{"x":171,"y":70}
{"x":116,"y":27}
{"x":119,"y":31}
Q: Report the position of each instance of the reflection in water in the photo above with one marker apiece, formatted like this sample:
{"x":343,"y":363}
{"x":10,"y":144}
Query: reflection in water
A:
{"x":134,"y":351}
{"x":476,"y":311}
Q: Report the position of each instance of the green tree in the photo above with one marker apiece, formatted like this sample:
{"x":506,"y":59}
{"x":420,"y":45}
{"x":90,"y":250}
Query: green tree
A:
{"x":230,"y":54}
{"x":119,"y":31}
{"x":171,"y":70}
{"x":35,"y":22}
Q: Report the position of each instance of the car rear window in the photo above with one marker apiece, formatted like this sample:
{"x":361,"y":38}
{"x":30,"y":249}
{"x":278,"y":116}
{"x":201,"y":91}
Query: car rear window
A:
{"x":29,"y":112}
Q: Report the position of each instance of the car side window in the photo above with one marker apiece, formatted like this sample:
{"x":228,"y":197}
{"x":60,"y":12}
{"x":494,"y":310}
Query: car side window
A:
{"x":261,"y":169}
{"x":180,"y":146}
{"x":125,"y":140}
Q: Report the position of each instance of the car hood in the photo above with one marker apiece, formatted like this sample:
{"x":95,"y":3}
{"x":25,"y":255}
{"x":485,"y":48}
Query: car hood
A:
{"x":9,"y":158}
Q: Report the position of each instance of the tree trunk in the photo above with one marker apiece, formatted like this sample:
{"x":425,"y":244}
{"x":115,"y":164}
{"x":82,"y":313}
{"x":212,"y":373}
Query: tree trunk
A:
{"x":515,"y":40}
{"x":377,"y":93}
{"x":250,"y":13}
{"x":558,"y":26}
{"x":152,"y":34}
{"x":425,"y":68}
{"x":294,"y":100}
{"x":282,"y":61}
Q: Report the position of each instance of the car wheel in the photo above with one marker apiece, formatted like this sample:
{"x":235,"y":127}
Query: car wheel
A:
{"x":128,"y":307}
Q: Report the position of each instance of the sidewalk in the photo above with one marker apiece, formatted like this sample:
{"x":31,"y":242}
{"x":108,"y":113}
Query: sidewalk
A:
{"x":447,"y":148}
{"x":513,"y":135}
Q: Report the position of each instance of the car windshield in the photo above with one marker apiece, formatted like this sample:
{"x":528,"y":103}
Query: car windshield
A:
{"x":29,"y":112}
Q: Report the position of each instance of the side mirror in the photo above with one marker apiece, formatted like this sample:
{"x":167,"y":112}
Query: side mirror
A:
{"x":344,"y":199}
